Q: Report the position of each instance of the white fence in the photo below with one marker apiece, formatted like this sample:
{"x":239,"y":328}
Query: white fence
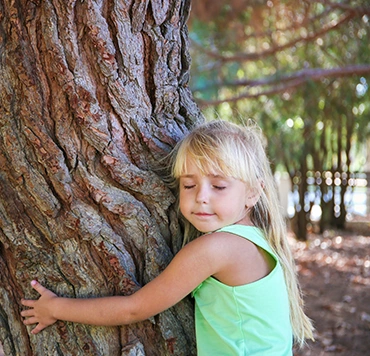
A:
{"x":356,"y":198}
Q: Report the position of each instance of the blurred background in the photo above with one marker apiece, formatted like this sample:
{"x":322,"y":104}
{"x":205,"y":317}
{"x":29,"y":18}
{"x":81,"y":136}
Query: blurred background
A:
{"x":301,"y":70}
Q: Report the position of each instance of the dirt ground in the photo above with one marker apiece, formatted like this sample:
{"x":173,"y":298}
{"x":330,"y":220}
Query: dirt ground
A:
{"x":334,"y":271}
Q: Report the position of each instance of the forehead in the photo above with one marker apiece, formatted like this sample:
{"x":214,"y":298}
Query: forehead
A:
{"x":192,"y":167}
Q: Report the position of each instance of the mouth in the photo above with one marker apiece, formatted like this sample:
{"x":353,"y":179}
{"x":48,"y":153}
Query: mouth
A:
{"x":201,"y":214}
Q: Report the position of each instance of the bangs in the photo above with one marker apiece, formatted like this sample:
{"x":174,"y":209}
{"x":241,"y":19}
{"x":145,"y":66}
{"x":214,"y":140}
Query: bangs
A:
{"x":227,"y":156}
{"x":207,"y":164}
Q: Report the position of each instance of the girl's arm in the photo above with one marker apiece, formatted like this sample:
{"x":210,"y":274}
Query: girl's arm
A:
{"x":193,"y":264}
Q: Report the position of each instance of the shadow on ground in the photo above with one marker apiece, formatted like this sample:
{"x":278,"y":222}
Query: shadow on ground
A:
{"x":334,"y":271}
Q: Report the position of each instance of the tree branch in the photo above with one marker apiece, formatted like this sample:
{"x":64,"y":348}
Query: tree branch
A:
{"x":363,"y":10}
{"x":243,"y":57}
{"x":284,"y":83}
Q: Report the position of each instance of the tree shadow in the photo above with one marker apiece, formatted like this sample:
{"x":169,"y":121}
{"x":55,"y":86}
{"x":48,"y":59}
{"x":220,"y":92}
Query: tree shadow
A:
{"x":334,"y":272}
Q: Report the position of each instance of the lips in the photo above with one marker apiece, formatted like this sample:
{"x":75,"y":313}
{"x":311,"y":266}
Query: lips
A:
{"x":200,"y":214}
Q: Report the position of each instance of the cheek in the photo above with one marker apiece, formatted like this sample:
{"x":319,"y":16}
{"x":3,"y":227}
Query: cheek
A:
{"x":181,"y":208}
{"x":183,"y":202}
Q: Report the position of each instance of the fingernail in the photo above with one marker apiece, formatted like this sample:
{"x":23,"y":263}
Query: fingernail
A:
{"x":33,"y":283}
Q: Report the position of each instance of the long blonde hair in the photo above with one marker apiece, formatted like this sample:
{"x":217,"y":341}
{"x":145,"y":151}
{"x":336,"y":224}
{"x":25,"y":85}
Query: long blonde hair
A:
{"x":239,"y":152}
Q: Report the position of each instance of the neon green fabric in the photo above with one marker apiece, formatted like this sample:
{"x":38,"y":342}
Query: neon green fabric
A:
{"x":251,"y":319}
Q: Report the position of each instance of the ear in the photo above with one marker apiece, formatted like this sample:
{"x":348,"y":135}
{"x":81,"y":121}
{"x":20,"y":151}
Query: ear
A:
{"x":253,"y":195}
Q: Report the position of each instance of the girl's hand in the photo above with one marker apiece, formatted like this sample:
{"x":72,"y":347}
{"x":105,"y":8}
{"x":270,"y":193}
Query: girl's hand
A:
{"x":40,"y":311}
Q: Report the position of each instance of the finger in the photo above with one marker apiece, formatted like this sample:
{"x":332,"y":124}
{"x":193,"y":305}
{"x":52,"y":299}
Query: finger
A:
{"x":28,"y":312}
{"x":30,"y":321}
{"x":38,"y":328}
{"x":28,"y":302}
{"x":38,"y":287}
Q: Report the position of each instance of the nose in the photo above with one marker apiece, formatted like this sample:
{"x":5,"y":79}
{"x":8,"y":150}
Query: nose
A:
{"x":202,"y":195}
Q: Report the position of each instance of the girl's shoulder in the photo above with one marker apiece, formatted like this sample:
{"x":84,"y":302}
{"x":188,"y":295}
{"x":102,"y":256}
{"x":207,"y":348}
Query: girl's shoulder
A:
{"x":239,"y":259}
{"x":218,"y":247}
{"x":228,"y":244}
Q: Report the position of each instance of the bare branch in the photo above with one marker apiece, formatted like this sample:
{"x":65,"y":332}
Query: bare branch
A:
{"x":306,"y":74}
{"x":243,"y":57}
{"x":289,"y":82}
{"x":291,"y":26}
{"x":363,"y":10}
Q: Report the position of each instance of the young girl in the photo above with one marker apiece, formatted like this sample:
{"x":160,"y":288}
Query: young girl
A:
{"x":240,"y":270}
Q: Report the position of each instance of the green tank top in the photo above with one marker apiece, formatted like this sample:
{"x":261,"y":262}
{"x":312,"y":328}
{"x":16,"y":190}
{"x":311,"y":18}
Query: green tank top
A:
{"x":251,"y":319}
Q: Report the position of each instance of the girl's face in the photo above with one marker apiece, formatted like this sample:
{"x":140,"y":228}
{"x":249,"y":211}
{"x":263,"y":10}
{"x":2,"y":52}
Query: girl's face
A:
{"x":210,"y":202}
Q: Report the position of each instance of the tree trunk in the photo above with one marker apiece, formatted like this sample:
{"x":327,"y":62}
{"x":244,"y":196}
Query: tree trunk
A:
{"x":93,"y":94}
{"x":299,"y":220}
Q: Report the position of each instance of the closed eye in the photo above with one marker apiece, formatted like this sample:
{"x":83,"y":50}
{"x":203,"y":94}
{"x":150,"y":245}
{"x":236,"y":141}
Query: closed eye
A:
{"x":188,"y":186}
{"x":219,"y":187}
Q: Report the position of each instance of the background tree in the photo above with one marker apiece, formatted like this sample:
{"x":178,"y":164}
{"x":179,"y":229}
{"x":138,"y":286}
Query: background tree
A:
{"x":301,"y":69}
{"x":93,"y":95}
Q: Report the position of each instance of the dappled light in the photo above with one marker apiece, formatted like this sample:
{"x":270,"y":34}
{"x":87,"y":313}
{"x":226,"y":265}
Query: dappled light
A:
{"x":334,"y":270}
{"x":301,"y":70}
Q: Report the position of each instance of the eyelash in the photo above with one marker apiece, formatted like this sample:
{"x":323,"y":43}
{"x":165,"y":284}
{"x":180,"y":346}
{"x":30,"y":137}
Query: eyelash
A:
{"x":214,"y":186}
{"x":218,"y":187}
{"x":189,"y":186}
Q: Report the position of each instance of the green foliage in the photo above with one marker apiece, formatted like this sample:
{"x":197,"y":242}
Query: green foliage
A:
{"x":299,"y":68}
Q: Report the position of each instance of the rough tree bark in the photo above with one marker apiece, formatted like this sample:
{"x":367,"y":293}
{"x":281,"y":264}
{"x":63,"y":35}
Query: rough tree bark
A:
{"x":93,"y":94}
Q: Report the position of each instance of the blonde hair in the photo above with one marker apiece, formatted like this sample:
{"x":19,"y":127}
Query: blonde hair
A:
{"x":239,"y":152}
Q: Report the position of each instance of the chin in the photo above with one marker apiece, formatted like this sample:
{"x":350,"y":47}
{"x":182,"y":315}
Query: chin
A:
{"x":205,"y":230}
